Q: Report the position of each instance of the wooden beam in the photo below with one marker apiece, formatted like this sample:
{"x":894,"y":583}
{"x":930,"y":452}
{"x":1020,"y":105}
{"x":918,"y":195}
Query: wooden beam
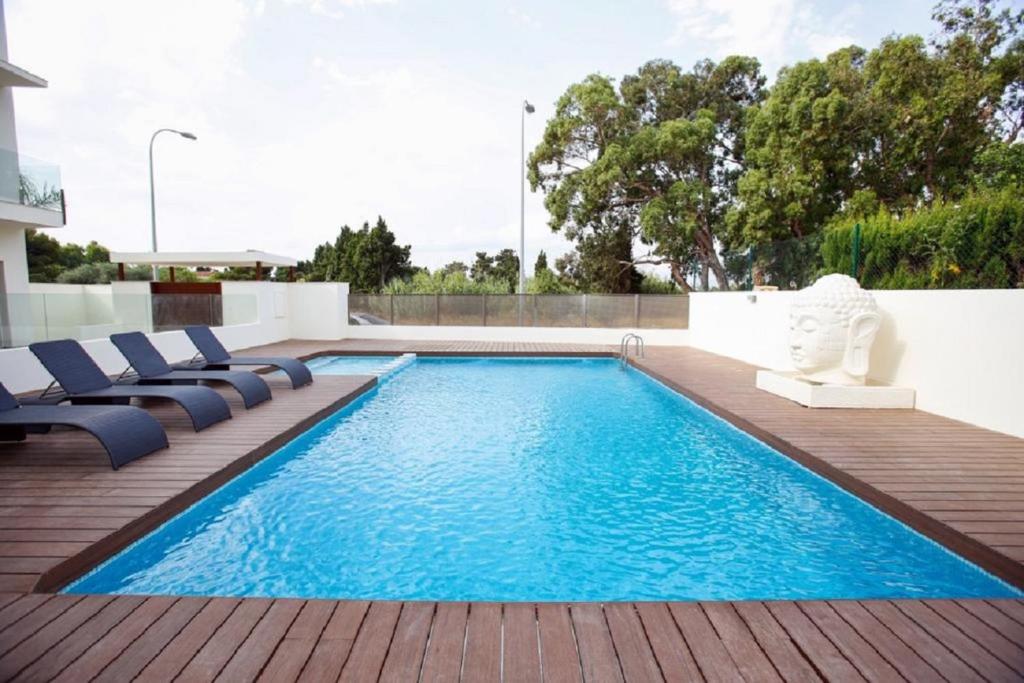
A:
{"x":171,"y":270}
{"x":120,"y":272}
{"x":291,"y":273}
{"x":259,"y":271}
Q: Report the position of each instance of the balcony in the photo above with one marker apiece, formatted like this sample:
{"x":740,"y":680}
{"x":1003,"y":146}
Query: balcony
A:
{"x":31,"y":194}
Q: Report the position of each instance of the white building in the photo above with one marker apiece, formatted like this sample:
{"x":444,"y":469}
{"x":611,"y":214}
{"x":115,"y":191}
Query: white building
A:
{"x":30,"y":191}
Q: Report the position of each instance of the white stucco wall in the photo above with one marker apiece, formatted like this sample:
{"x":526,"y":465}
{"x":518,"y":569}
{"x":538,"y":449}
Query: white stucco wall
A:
{"x":961,"y":350}
{"x":318,"y":310}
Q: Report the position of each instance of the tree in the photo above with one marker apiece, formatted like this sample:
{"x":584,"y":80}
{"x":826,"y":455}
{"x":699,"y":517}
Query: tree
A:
{"x":483,"y":267}
{"x":541,"y":264}
{"x":506,"y":268}
{"x":456,"y":267}
{"x":900,"y":125}
{"x":367,"y":259}
{"x":48,"y":259}
{"x":656,"y":160}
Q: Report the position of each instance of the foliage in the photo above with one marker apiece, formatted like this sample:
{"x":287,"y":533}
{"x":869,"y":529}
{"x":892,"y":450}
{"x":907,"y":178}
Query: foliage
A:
{"x":502,"y":267}
{"x":101,"y":273}
{"x":653,"y":160}
{"x":903,"y":123}
{"x":652,"y":284}
{"x":541,"y":263}
{"x":30,"y":194}
{"x":456,"y":267}
{"x":48,"y":259}
{"x":367,"y":259}
{"x":977,"y":242}
{"x":442,"y":282}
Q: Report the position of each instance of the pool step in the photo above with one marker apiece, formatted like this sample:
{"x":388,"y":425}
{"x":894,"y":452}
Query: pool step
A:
{"x":387,"y":371}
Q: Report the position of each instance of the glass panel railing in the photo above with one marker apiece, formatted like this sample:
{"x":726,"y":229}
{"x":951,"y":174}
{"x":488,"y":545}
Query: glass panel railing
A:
{"x":95,"y":312}
{"x":29,"y":181}
{"x":669,"y":311}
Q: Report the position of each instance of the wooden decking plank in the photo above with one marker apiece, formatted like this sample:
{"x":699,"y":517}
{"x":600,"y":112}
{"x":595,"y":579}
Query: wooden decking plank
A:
{"x":1005,"y":625}
{"x":902,"y":657}
{"x":740,"y":642}
{"x":294,"y":650}
{"x":179,"y":652}
{"x":976,"y":657}
{"x":35,"y":620}
{"x":708,"y":651}
{"x":1011,"y":608}
{"x":521,"y":644}
{"x":861,"y":654}
{"x":13,"y":611}
{"x":1008,"y":651}
{"x":136,"y":656}
{"x":921,"y":641}
{"x":776,"y":643}
{"x":335,"y":643}
{"x":259,"y":646}
{"x":70,"y":648}
{"x":215,"y":653}
{"x":442,"y":660}
{"x":371,"y":644}
{"x":815,"y":646}
{"x":667,"y":643}
{"x":36,"y":645}
{"x":634,"y":651}
{"x":482,"y":660}
{"x":405,"y":657}
{"x":559,"y":657}
{"x":104,"y":651}
{"x":594,"y":641}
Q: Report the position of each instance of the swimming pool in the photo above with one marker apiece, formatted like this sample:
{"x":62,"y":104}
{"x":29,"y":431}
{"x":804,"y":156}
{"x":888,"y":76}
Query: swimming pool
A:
{"x":533,"y":479}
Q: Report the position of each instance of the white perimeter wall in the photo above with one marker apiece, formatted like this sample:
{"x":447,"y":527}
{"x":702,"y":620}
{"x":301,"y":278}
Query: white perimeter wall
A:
{"x":961,"y":350}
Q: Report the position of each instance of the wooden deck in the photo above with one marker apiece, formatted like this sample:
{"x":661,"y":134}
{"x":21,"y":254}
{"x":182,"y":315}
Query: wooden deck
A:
{"x":64,"y":510}
{"x":105,"y":638}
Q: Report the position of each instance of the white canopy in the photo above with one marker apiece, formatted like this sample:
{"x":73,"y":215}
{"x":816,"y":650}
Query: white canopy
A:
{"x":249,"y":258}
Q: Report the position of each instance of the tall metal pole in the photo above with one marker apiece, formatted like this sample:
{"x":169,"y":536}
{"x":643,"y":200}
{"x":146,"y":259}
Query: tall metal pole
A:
{"x":522,"y":199}
{"x":152,"y":190}
{"x":527,"y":108}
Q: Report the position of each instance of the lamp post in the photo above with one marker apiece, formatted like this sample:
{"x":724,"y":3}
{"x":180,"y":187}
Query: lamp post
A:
{"x":152,"y":190}
{"x":527,"y":109}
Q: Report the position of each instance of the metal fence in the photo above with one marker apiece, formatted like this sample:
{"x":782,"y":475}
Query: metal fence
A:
{"x":652,"y":311}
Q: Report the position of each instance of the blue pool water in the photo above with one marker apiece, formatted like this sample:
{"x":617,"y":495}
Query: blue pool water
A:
{"x":348,"y":365}
{"x":533,"y":479}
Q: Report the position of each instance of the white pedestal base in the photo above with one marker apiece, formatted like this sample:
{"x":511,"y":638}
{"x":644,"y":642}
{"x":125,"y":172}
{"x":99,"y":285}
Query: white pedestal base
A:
{"x":812,"y":395}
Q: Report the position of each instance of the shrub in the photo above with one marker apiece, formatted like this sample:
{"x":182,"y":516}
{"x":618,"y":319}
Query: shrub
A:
{"x":975,"y":243}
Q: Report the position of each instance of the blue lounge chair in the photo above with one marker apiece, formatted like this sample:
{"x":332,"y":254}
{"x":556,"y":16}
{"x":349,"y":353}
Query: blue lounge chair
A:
{"x":152,"y":368}
{"x":84,"y":382}
{"x":126,"y":433}
{"x":216,"y":357}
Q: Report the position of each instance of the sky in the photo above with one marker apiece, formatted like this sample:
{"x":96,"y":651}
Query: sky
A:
{"x":311,"y":114}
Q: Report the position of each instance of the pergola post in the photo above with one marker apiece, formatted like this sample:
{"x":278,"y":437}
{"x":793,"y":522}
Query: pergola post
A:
{"x":259,"y":271}
{"x":120,"y":272}
{"x":291,"y":273}
{"x":170,"y":269}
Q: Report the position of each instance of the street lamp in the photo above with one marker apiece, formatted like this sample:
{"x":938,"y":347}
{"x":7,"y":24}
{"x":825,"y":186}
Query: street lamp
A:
{"x":152,"y":191}
{"x":527,"y":109}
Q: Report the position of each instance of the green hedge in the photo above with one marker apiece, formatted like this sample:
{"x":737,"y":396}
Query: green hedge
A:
{"x":975,"y":243}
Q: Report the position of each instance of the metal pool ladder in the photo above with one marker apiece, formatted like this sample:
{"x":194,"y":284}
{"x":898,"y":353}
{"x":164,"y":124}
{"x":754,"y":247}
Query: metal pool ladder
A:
{"x":638,"y":344}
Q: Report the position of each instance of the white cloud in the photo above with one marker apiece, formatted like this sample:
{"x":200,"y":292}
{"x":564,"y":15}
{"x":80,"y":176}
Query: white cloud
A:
{"x":774,"y":31}
{"x":334,"y":9}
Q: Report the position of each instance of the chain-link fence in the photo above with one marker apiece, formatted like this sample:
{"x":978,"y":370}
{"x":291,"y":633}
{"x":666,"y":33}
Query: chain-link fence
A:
{"x":664,"y":311}
{"x":973,"y":252}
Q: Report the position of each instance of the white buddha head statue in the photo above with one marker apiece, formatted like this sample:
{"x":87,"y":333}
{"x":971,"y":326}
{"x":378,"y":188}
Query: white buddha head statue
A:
{"x":832,"y":324}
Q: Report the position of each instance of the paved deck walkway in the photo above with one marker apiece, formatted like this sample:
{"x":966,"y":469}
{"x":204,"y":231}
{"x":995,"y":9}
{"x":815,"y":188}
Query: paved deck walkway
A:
{"x":64,"y":510}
